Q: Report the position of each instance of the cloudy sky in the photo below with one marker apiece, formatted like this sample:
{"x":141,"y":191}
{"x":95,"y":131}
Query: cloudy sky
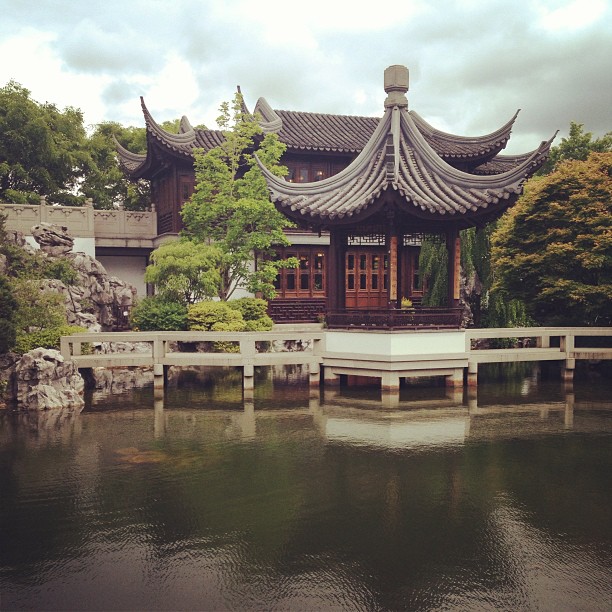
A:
{"x":472,"y":63}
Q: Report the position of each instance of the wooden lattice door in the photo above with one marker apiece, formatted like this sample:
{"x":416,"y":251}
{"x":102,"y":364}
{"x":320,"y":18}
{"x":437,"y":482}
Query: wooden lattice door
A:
{"x":366,"y":278}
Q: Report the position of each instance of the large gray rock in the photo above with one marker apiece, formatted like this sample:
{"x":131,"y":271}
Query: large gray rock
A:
{"x":43,"y":380}
{"x":53,"y":239}
{"x":95,"y":300}
{"x":104,"y":295}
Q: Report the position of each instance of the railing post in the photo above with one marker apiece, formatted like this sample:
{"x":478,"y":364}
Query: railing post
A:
{"x":158,"y":353}
{"x":247,"y":351}
{"x":543,"y":341}
{"x":567,"y":347}
{"x":65,"y":348}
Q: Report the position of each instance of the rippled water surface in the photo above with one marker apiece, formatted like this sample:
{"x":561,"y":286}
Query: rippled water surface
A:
{"x":289,"y":502}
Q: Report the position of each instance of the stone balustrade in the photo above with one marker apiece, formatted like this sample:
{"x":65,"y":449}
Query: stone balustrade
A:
{"x":111,"y":227}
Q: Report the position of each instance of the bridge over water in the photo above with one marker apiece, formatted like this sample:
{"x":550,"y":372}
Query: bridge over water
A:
{"x":386,"y":355}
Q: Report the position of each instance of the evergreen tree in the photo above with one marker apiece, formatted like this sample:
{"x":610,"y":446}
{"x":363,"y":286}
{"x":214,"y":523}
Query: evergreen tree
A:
{"x":553,"y":250}
{"x":231,"y":209}
{"x":578,"y":145}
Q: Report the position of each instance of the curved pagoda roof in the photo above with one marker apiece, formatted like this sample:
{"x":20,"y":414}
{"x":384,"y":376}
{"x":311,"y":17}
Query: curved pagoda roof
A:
{"x":162,"y":144}
{"x":306,"y":132}
{"x":400,"y":169}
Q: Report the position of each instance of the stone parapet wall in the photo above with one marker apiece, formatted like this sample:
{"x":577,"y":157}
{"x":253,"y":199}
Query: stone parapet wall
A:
{"x":83,"y":221}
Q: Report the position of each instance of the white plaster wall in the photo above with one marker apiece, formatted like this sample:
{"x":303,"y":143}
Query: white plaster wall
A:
{"x":85,"y":245}
{"x":426,"y":342}
{"x":128,"y":269}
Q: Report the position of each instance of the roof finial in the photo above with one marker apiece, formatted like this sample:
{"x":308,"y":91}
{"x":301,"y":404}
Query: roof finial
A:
{"x":396,"y":86}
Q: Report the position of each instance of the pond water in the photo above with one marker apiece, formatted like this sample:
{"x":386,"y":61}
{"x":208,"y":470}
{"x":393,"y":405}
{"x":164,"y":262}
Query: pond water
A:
{"x":294,"y":501}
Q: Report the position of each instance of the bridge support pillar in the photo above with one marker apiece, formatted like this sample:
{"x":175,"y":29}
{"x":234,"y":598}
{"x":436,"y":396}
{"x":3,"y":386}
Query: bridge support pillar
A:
{"x":390,"y":398}
{"x":314,"y":374}
{"x":248,"y":376}
{"x":329,"y":378}
{"x":158,"y":377}
{"x":390,"y":382}
{"x":567,"y":371}
{"x":472,"y":374}
{"x":455,"y":379}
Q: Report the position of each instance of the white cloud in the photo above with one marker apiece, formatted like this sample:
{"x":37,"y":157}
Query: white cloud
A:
{"x":472,"y":63}
{"x":32,"y":62}
{"x":572,"y":15}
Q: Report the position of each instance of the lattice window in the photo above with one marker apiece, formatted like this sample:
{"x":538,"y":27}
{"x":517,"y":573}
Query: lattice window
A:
{"x":416,"y":238}
{"x":375,"y":239}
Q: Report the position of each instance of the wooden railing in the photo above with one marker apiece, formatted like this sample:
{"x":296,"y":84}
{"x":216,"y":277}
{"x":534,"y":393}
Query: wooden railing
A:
{"x":413,"y":318}
{"x":297,"y":310}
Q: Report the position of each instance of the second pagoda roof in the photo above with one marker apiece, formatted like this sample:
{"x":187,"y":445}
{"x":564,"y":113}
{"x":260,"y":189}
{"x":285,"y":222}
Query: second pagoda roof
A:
{"x":399,"y":161}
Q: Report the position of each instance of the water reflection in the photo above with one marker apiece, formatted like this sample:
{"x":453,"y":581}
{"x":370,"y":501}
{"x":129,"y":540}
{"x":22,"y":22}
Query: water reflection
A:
{"x":285,"y":499}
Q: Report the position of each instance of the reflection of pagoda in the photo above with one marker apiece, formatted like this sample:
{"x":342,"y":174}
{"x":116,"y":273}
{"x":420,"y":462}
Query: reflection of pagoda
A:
{"x":376,"y":185}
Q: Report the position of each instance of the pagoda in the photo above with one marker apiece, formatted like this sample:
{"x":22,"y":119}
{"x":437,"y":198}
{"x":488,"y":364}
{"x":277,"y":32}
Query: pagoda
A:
{"x":363,"y":191}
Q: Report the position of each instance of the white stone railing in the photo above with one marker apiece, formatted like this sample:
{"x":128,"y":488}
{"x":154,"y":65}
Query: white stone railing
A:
{"x":162,"y":351}
{"x":83,"y":221}
{"x":537,"y":349}
{"x":383,"y":354}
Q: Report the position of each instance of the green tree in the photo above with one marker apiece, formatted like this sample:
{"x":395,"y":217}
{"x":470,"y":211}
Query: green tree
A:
{"x":104,"y":181}
{"x":231,"y":207}
{"x":43,"y":151}
{"x":432,"y":266}
{"x":553,"y":250}
{"x":8,"y":306}
{"x":185,"y":271}
{"x":578,"y":145}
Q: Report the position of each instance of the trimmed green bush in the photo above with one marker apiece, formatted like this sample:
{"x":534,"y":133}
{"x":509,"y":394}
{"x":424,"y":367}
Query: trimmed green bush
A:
{"x":251,"y":309}
{"x":264,"y":323}
{"x":158,"y":314}
{"x":214,"y":316}
{"x":46,"y":338}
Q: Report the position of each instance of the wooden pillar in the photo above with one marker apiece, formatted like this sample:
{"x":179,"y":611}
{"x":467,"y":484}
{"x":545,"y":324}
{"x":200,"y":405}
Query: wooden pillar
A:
{"x":453,"y":247}
{"x":335,"y":271}
{"x":393,"y":272}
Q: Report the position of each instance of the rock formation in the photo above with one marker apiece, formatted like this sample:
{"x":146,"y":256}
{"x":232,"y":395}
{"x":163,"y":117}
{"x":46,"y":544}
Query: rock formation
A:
{"x":95,"y":299}
{"x":53,"y":239}
{"x":43,"y":380}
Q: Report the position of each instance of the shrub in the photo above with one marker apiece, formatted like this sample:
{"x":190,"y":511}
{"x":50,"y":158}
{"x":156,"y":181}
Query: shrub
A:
{"x":8,"y":305}
{"x":37,"y":309}
{"x":61,"y":269}
{"x":214,"y":316}
{"x":158,"y":314}
{"x":250,"y":308}
{"x":264,"y":323}
{"x":46,"y":338}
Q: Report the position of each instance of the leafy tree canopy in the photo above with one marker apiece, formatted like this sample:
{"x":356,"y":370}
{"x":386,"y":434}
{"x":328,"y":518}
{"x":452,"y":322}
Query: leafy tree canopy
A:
{"x":231,"y":206}
{"x":185,"y":271}
{"x":578,"y":145}
{"x":553,"y":250}
{"x":43,"y":151}
{"x":104,"y":181}
{"x":48,"y":152}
